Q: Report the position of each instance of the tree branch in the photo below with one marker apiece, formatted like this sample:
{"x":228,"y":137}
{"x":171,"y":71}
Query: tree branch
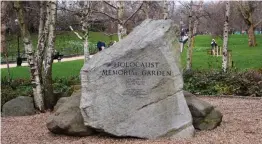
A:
{"x":134,"y":13}
{"x":184,"y":5}
{"x":77,"y":13}
{"x":108,"y":15}
{"x":258,"y":23}
{"x":77,"y":34}
{"x":243,"y":13}
{"x":110,"y":5}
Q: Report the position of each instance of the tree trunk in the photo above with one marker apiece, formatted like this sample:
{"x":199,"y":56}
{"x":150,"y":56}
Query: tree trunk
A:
{"x":190,"y":48}
{"x":196,"y":22}
{"x":165,"y":9}
{"x":85,"y":28}
{"x":181,"y":27}
{"x":194,"y":32}
{"x":247,"y":9}
{"x":4,"y":49}
{"x":225,"y":39}
{"x":251,"y":36}
{"x":47,"y":81}
{"x":38,"y":97}
{"x":3,"y":25}
{"x":42,"y":37}
{"x":146,"y":9}
{"x":86,"y":51}
{"x":120,"y":14}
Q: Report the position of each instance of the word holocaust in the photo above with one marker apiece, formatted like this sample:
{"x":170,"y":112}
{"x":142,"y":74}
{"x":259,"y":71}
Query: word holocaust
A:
{"x":136,"y":73}
{"x":136,"y":64}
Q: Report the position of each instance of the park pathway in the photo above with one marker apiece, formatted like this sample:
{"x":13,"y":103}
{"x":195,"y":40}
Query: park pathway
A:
{"x":55,"y":61}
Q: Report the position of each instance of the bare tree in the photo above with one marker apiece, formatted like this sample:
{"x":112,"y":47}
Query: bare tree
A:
{"x":48,"y":60}
{"x":213,"y":18}
{"x":225,"y":37}
{"x":85,"y":15}
{"x":146,"y":8}
{"x":119,"y":18}
{"x":37,"y":87}
{"x":41,"y":80}
{"x":120,"y":13}
{"x":247,"y":9}
{"x":4,"y":49}
{"x":198,"y":14}
{"x":165,"y":9}
{"x":190,"y":35}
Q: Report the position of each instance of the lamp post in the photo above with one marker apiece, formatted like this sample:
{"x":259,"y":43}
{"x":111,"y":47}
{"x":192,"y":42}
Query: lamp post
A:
{"x":18,"y":59}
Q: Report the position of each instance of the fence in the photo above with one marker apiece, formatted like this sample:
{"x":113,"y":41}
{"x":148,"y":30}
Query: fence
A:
{"x":218,"y":51}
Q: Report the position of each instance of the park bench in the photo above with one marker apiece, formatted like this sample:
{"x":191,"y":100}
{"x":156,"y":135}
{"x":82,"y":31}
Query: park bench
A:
{"x":57,"y":56}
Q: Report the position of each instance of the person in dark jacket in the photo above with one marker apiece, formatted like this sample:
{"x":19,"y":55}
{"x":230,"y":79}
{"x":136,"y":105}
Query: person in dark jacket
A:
{"x":213,"y":46}
{"x":101,"y":45}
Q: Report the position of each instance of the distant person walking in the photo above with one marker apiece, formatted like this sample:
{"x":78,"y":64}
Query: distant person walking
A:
{"x":213,"y":46}
{"x":101,"y":45}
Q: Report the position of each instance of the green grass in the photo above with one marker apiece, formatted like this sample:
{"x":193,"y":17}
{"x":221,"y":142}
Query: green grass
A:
{"x":60,"y":70}
{"x":66,"y":43}
{"x":243,"y":56}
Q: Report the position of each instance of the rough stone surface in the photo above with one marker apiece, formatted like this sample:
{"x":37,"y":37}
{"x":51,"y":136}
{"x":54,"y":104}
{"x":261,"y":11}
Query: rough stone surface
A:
{"x":205,"y":117}
{"x":198,"y":108}
{"x":134,"y":88}
{"x":67,"y":119}
{"x":209,"y":122}
{"x":20,"y":106}
{"x":60,"y":102}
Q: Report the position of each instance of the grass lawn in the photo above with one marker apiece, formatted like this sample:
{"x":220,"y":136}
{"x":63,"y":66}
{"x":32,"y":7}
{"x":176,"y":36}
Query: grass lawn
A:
{"x":243,"y":56}
{"x":66,"y":43}
{"x":60,"y":70}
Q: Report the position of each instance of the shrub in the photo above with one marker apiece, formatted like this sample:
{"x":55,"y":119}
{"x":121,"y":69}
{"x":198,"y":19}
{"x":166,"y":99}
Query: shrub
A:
{"x":92,"y":48}
{"x":245,"y":83}
{"x":7,"y":93}
{"x":23,"y":87}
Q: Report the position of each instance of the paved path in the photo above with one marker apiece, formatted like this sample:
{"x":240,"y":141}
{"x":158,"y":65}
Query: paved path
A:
{"x":55,"y":61}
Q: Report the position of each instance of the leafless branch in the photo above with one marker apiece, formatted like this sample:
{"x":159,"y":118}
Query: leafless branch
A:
{"x":184,"y":5}
{"x":134,"y":13}
{"x":34,"y":9}
{"x":115,"y":19}
{"x":71,"y":11}
{"x":258,"y":23}
{"x":110,"y":4}
{"x":77,"y":34}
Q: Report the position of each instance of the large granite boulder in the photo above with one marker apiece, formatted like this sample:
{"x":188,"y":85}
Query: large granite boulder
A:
{"x":134,"y":88}
{"x":205,"y":117}
{"x":67,"y":118}
{"x":20,"y":106}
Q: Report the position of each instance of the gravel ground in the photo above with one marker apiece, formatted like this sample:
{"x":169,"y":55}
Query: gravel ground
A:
{"x":242,"y":124}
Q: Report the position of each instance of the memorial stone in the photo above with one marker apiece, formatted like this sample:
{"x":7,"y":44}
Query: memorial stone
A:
{"x":134,"y":88}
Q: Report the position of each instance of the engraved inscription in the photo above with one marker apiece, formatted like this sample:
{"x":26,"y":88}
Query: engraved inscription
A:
{"x":135,"y":75}
{"x":134,"y":81}
{"x":135,"y":92}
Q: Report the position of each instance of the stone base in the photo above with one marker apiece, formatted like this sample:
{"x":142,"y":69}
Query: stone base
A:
{"x":188,"y":132}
